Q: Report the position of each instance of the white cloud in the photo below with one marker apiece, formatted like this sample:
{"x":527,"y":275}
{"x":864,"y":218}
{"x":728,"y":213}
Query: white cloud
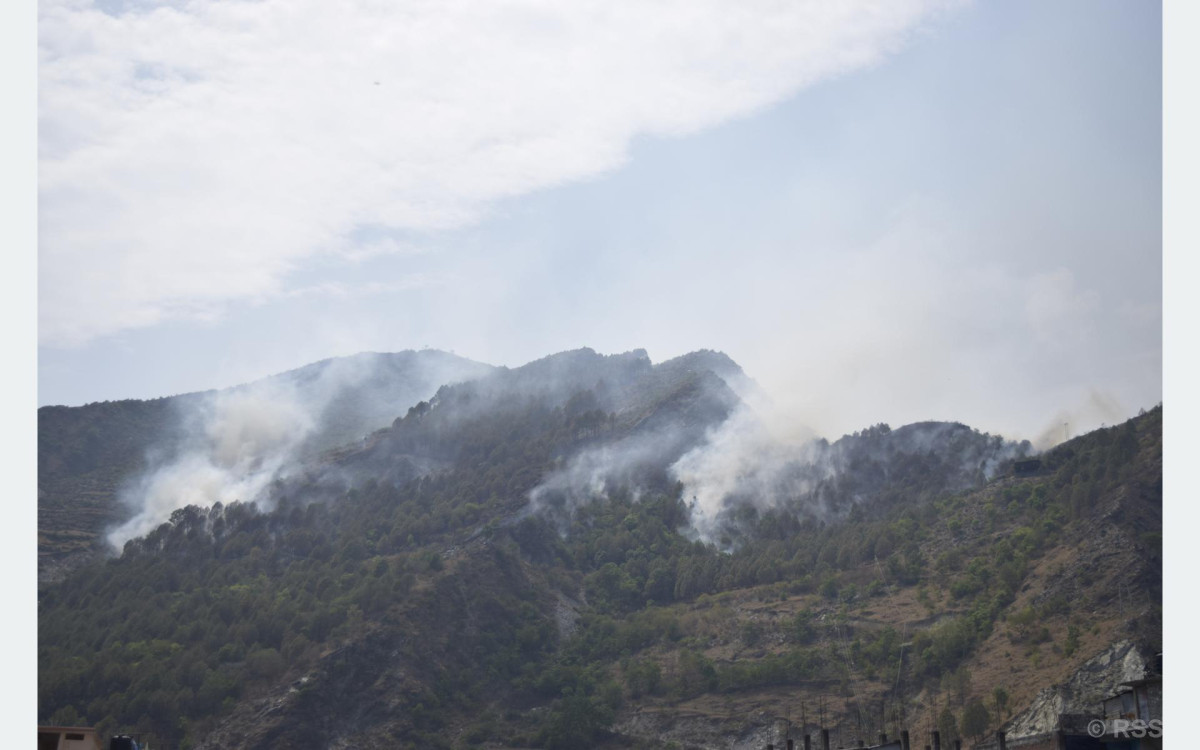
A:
{"x":193,"y":154}
{"x":340,"y":289}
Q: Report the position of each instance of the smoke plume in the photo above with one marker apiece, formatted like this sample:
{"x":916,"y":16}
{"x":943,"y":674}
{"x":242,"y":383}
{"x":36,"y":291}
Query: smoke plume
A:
{"x":1097,"y":410}
{"x":235,"y":443}
{"x":741,"y":458}
{"x":243,"y":439}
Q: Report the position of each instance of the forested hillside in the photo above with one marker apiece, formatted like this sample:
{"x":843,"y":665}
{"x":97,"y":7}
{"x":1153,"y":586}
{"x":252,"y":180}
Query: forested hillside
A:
{"x":514,"y":563}
{"x":87,"y":455}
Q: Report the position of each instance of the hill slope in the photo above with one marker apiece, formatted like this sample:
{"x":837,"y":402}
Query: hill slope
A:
{"x":515,"y":563}
{"x":88,"y":454}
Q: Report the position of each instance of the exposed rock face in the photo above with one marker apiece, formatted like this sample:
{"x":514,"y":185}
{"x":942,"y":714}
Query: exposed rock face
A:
{"x":357,"y":692}
{"x":1082,"y":693}
{"x":566,"y":615}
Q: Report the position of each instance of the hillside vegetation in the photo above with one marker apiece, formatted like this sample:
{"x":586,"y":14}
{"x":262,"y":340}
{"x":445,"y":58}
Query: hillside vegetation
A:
{"x":88,"y":454}
{"x":513,"y":564}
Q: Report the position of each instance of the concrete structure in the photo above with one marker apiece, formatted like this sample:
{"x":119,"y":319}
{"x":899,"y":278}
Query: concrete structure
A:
{"x":67,"y":738}
{"x":1133,"y":717}
{"x":1027,"y":468}
{"x":1129,"y":719}
{"x":1112,"y":702}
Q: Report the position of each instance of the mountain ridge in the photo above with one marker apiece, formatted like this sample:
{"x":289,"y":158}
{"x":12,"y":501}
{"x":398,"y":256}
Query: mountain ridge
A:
{"x":541,"y":579}
{"x":87,"y":454}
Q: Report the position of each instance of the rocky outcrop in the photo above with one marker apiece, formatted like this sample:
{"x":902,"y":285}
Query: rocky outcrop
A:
{"x":1083,"y":693}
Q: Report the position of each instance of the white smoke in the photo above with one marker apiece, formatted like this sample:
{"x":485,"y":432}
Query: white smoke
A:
{"x":591,"y":473}
{"x":242,"y":441}
{"x":750,"y":456}
{"x":744,"y":457}
{"x":761,"y":458}
{"x":237,"y":442}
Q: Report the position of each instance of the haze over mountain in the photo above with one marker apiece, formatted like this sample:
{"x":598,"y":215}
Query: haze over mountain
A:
{"x":885,"y":211}
{"x":586,"y":550}
{"x":134,"y":462}
{"x":222,"y":446}
{"x":930,"y":231}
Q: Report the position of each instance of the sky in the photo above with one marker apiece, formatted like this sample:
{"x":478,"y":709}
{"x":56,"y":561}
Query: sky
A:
{"x":885,"y":212}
